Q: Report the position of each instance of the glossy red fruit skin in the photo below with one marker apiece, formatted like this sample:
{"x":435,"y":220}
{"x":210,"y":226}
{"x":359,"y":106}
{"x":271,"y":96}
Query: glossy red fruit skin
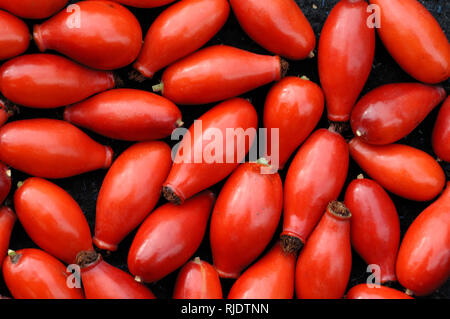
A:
{"x":345,"y":54}
{"x":390,"y":112}
{"x":5,"y":182}
{"x":277,"y":25}
{"x":144,"y":3}
{"x":414,"y":39}
{"x":324,"y":264}
{"x":167,"y":40}
{"x":51,"y":149}
{"x":188,"y":175}
{"x":248,"y":207}
{"x":362,"y":291}
{"x":198,"y":280}
{"x":52,"y":219}
{"x":7,"y":222}
{"x":108,"y":37}
{"x":104,"y":281}
{"x":441,"y":132}
{"x":315,"y":177}
{"x":37,"y":275}
{"x":294,"y":106}
{"x":126,"y":114}
{"x":130,"y":191}
{"x":14,"y":36}
{"x":217,"y":73}
{"x":271,"y":277}
{"x":32,"y":9}
{"x":423,"y":262}
{"x":169,"y":237}
{"x":375,"y":225}
{"x":49,"y":81}
{"x":403,"y":170}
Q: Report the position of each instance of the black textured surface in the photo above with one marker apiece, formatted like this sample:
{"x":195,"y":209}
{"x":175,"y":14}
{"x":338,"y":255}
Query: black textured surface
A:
{"x":84,"y":188}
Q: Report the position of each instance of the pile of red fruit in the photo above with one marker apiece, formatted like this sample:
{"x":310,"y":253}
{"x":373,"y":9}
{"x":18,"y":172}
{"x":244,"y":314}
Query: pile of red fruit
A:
{"x":163,"y":198}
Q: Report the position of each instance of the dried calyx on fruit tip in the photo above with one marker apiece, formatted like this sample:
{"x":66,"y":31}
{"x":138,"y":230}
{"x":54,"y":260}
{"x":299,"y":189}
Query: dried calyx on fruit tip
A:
{"x":339,"y":209}
{"x":14,"y":256}
{"x":284,"y":67}
{"x":137,"y":76}
{"x":360,"y":176}
{"x":290,"y":244}
{"x":197,"y":260}
{"x":170,"y":195}
{"x":338,"y":127}
{"x":118,"y":82}
{"x":304,"y":77}
{"x":87,"y":257}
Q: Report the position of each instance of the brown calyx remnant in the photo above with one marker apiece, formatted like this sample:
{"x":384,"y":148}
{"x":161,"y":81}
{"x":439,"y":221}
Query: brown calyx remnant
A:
{"x":291,"y":244}
{"x":87,"y":257}
{"x":339,"y":209}
{"x":284,"y":67}
{"x":137,"y":76}
{"x":339,"y":127}
{"x":170,"y":195}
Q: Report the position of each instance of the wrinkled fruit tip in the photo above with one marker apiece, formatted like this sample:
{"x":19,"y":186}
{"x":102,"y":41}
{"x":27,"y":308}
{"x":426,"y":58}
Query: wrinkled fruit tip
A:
{"x":87,"y":257}
{"x":171,"y":196}
{"x":284,"y":67}
{"x":290,"y":244}
{"x":339,"y":209}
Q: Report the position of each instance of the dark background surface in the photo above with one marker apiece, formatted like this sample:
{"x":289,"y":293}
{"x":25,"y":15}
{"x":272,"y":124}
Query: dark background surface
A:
{"x":84,"y":188}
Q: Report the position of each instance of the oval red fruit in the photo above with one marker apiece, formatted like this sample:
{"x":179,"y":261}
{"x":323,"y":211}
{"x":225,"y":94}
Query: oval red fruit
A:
{"x":251,"y":216}
{"x":294,"y":106}
{"x":363,"y":291}
{"x":423,"y":262}
{"x":169,"y":237}
{"x":167,"y":39}
{"x":324,"y":264}
{"x":34,"y":274}
{"x":126,"y":114}
{"x":346,"y":52}
{"x":316,"y":177}
{"x":277,"y":25}
{"x":7,"y":222}
{"x":414,"y":39}
{"x":52,"y":219}
{"x":130,"y":191}
{"x":202,"y":161}
{"x":375,"y":225}
{"x":198,"y":280}
{"x":105,"y":36}
{"x":390,"y":112}
{"x":31,"y":9}
{"x":14,"y":36}
{"x":271,"y":277}
{"x":47,"y":81}
{"x":441,"y":132}
{"x":403,"y":170}
{"x":103,"y":281}
{"x":51,"y":149}
{"x":218,"y":73}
